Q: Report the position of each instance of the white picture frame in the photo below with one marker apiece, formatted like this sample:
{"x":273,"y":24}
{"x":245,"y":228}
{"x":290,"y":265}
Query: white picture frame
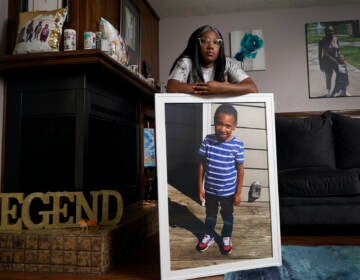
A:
{"x":179,"y":211}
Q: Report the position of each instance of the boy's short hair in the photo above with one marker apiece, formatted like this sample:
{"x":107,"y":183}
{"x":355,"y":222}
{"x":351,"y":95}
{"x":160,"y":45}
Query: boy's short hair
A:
{"x":227,"y":109}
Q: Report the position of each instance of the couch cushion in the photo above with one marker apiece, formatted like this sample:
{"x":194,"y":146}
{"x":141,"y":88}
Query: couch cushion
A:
{"x":304,"y":142}
{"x":312,"y":182}
{"x":347,"y":141}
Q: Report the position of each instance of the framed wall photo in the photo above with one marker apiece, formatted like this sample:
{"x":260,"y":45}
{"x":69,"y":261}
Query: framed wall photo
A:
{"x":42,"y":5}
{"x":130,"y":29}
{"x":333,"y":58}
{"x":182,"y":123}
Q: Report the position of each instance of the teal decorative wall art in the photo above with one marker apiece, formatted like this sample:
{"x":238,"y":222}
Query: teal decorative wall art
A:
{"x":248,"y":48}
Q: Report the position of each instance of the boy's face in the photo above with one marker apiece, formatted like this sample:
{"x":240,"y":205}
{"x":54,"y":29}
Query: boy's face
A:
{"x":224,"y":126}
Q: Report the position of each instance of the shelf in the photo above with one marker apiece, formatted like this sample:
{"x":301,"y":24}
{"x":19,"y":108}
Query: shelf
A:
{"x":94,"y":61}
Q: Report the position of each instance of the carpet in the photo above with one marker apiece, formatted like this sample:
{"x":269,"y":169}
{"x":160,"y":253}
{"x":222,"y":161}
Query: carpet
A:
{"x":309,"y":263}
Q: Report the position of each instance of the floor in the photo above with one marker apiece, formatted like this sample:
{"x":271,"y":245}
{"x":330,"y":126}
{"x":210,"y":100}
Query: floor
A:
{"x":148,"y":258}
{"x":143,"y":263}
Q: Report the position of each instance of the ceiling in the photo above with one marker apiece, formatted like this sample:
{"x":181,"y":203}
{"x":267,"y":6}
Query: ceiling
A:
{"x":184,"y":8}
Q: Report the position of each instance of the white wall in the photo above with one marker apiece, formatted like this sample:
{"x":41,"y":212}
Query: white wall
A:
{"x":285,"y":50}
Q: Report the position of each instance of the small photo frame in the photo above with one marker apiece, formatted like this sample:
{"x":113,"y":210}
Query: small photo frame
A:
{"x":44,"y":5}
{"x":130,"y":30}
{"x":182,"y":122}
{"x":41,"y":5}
{"x":149,"y":148}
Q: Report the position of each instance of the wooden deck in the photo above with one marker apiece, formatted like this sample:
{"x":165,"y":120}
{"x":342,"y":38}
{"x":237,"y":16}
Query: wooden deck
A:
{"x":251,"y":236}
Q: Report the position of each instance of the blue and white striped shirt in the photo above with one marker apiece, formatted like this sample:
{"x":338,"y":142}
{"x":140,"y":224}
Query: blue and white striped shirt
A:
{"x":222,"y":158}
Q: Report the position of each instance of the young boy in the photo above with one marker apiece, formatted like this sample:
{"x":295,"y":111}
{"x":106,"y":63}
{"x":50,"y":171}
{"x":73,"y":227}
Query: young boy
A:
{"x":221,"y":176}
{"x":342,"y":77}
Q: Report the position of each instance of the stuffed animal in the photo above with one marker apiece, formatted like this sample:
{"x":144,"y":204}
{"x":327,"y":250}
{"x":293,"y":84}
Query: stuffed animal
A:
{"x":85,"y":224}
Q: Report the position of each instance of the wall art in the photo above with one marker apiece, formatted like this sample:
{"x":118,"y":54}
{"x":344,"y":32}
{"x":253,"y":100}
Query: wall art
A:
{"x":333,"y":58}
{"x":248,"y":48}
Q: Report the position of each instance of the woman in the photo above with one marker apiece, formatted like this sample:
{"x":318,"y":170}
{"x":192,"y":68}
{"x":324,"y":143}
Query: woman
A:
{"x":328,"y":56}
{"x":203,"y":69}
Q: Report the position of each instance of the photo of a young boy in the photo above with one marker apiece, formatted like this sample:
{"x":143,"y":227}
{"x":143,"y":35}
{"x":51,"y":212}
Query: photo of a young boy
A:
{"x":202,"y":144}
{"x":221,"y":177}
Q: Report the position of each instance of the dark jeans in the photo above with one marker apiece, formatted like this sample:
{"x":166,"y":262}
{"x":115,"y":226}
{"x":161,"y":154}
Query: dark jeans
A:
{"x":226,"y":210}
{"x":328,"y":70}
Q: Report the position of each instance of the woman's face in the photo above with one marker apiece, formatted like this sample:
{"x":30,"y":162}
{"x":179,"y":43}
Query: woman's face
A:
{"x":210,"y":45}
{"x":330,"y":31}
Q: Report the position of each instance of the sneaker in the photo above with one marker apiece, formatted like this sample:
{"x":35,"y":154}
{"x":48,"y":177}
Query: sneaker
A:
{"x":226,"y":245}
{"x":205,"y":243}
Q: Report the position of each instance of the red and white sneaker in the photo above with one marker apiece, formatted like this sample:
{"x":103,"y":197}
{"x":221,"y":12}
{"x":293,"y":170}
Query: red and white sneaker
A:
{"x":226,"y":245}
{"x":205,"y":243}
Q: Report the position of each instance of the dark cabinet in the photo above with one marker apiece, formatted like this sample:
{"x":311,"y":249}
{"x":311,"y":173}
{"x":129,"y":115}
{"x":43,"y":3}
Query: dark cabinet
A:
{"x":73,"y":121}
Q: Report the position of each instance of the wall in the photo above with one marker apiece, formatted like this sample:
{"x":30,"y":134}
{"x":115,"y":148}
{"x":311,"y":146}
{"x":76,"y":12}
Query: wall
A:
{"x":285,"y":50}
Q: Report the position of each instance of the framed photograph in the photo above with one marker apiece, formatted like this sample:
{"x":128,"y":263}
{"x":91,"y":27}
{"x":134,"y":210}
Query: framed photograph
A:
{"x":42,"y":5}
{"x":130,"y":29}
{"x":182,"y":123}
{"x":333,"y":58}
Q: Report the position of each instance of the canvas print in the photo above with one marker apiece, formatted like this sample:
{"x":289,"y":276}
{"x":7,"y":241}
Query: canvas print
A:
{"x":333,"y":58}
{"x":218,"y":203}
{"x":248,"y":48}
{"x":149,"y":147}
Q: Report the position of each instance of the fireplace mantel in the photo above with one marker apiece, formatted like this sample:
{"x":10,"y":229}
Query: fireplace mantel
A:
{"x":90,"y":60}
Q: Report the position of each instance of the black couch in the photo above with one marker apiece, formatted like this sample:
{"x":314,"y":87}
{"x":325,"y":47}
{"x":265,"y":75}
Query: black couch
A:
{"x":318,"y":170}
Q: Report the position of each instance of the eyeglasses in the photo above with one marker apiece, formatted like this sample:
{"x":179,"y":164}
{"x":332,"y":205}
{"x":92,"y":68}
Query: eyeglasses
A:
{"x":206,"y":41}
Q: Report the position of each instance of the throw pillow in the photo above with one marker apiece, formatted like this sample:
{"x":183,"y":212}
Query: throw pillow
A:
{"x":113,"y":43}
{"x":304,"y":142}
{"x":39,"y":31}
{"x":311,"y":182}
{"x":347,"y":138}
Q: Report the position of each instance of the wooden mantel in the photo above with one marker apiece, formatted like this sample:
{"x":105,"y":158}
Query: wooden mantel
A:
{"x":94,"y":60}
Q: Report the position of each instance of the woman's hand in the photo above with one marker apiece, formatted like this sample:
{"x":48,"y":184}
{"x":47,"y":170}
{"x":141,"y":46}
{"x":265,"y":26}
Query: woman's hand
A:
{"x":212,"y":87}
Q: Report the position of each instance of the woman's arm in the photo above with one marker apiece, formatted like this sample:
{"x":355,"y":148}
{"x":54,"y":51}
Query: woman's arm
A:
{"x":213,"y":87}
{"x":177,"y":86}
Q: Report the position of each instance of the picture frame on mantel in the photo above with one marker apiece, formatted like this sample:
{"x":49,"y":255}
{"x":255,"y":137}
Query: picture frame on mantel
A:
{"x":333,"y":60}
{"x":130,"y":30}
{"x":44,"y":5}
{"x":182,"y":122}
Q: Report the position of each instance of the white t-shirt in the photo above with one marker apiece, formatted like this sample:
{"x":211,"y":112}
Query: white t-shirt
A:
{"x":182,"y":71}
